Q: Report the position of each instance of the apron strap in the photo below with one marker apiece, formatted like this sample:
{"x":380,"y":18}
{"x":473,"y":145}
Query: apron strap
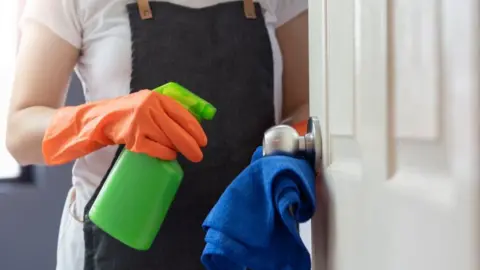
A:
{"x":146,"y":12}
{"x":144,"y":9}
{"x":249,"y":9}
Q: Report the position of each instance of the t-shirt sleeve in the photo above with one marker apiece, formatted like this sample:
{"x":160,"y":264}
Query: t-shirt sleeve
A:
{"x":60,"y":16}
{"x":289,"y":9}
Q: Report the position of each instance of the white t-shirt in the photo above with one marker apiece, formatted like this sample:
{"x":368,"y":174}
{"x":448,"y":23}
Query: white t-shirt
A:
{"x":100,"y":29}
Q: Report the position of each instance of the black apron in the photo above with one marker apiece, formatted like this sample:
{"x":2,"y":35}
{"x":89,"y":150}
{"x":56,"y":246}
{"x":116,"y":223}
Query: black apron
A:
{"x":223,"y":54}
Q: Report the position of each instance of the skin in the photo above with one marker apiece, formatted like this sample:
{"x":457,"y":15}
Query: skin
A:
{"x":293,"y":40}
{"x":45,"y":63}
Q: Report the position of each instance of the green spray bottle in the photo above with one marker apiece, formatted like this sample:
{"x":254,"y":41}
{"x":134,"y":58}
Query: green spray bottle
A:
{"x":136,"y":196}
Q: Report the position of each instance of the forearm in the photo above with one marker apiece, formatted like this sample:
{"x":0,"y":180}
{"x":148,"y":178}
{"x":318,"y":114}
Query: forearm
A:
{"x":301,"y":113}
{"x":26,"y":129}
{"x":43,"y":68}
{"x":293,"y":39}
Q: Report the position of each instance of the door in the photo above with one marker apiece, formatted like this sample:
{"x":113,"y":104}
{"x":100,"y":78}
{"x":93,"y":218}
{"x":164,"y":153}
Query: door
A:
{"x":396,"y":86}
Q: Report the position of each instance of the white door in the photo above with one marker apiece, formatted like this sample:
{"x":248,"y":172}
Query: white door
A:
{"x":396,"y":84}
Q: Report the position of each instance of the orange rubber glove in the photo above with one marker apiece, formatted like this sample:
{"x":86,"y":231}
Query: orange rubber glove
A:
{"x":145,"y":121}
{"x":301,"y":127}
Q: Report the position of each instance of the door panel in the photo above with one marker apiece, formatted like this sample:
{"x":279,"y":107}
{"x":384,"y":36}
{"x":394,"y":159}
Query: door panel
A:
{"x":395,"y":84}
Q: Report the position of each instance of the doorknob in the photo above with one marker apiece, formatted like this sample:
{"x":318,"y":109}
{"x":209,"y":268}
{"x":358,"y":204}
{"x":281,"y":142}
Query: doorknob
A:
{"x":285,"y":140}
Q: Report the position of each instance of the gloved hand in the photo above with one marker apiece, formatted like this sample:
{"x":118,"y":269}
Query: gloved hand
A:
{"x":301,"y":127}
{"x":253,"y":225}
{"x":146,"y":122}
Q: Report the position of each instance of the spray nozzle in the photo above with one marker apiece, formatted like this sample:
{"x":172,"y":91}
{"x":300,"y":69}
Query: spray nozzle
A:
{"x":198,"y":107}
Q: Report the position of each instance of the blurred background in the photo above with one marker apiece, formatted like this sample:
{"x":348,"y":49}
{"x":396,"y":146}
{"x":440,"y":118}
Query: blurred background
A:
{"x":30,"y":208}
{"x":31,"y":199}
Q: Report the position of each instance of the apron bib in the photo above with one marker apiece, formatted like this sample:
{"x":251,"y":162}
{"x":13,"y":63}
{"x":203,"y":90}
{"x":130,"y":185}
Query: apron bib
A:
{"x":223,"y":54}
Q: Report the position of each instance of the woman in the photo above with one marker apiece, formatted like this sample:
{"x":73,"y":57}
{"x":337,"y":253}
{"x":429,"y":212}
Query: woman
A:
{"x":248,"y":59}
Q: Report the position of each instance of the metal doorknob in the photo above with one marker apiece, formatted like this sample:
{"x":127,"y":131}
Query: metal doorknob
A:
{"x":285,"y":140}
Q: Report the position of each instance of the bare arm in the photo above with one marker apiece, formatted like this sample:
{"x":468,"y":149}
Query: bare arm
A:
{"x":44,"y":66}
{"x":293,"y":39}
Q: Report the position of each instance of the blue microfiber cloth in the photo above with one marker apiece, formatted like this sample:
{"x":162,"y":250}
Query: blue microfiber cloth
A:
{"x":251,"y":226}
